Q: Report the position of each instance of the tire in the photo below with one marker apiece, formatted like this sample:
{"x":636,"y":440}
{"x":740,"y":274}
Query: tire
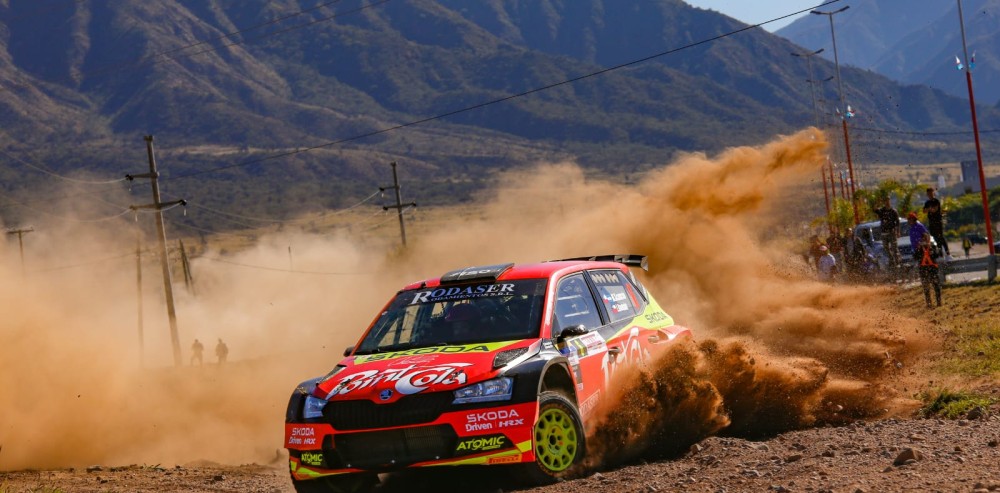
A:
{"x":558,"y":441}
{"x":343,"y":483}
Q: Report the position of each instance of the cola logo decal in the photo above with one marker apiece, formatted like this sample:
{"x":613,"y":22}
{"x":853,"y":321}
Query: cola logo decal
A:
{"x":407,"y":380}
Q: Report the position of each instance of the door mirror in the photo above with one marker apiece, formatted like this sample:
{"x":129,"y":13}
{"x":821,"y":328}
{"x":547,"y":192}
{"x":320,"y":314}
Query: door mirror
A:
{"x":571,"y":331}
{"x":348,"y":351}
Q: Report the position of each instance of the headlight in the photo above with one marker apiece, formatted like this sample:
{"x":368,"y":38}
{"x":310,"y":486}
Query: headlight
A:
{"x":498,"y":389}
{"x":313,"y":408}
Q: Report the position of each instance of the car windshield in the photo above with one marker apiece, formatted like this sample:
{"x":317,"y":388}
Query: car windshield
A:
{"x":459,"y":314}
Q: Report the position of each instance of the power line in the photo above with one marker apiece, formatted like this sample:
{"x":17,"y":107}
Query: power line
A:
{"x":291,"y":271}
{"x":61,"y":177}
{"x":923,"y":134}
{"x":498,"y":100}
{"x":284,"y":221}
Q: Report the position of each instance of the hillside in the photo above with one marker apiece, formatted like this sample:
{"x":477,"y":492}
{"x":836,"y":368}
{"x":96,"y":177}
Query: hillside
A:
{"x":223,"y":84}
{"x":912,"y":42}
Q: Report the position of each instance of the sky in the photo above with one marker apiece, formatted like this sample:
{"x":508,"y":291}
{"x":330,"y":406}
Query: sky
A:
{"x":757,"y":11}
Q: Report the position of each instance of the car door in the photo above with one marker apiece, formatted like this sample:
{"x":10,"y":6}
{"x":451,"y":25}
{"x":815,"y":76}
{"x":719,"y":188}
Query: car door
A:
{"x":575,"y":306}
{"x":621,"y":302}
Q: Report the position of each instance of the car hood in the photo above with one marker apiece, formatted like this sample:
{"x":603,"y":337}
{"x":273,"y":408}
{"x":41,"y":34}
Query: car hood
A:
{"x":387,"y":377}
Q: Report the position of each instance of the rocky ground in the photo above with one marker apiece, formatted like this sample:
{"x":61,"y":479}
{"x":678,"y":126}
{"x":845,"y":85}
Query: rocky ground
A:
{"x":898,"y":454}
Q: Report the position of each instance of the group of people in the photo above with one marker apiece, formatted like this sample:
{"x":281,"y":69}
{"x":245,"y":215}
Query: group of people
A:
{"x":857,"y":262}
{"x":197,"y":349}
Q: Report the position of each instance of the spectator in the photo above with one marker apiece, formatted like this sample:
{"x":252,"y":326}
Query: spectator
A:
{"x":966,"y":245}
{"x":816,"y":250}
{"x":826,"y":265}
{"x":889,"y":218}
{"x":196,"y":351}
{"x":835,"y":243}
{"x":854,"y":255}
{"x":221,"y":351}
{"x":929,"y":270}
{"x":917,"y":231}
{"x":935,"y":221}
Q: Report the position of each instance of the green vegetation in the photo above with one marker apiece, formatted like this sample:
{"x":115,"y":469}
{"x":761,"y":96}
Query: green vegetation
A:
{"x":976,"y":351}
{"x":951,"y":404}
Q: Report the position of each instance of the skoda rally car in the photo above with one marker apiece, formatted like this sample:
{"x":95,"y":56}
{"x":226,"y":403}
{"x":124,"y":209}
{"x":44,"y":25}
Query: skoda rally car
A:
{"x":499,"y":364}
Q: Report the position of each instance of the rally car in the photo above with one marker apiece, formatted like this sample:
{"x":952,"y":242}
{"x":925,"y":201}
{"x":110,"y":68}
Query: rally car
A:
{"x":489,"y":365}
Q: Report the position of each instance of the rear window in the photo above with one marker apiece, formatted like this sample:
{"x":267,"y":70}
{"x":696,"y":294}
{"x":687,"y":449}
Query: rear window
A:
{"x":459,"y":314}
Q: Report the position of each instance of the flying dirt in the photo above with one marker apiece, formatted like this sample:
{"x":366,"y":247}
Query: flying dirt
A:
{"x":774,"y":349}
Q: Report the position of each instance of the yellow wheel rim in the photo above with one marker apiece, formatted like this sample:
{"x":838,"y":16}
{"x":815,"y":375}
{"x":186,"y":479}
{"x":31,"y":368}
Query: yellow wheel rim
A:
{"x":556,"y":440}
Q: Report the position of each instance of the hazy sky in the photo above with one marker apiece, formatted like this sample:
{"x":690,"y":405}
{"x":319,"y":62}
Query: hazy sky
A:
{"x":757,"y":11}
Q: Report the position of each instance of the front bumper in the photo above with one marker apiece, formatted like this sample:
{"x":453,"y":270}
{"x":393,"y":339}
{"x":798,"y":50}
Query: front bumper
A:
{"x":495,"y":433}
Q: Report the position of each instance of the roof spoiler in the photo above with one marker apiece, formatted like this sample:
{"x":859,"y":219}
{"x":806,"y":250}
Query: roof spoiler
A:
{"x":481,"y":273}
{"x":627,"y":259}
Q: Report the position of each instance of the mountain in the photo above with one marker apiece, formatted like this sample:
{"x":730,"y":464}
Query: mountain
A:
{"x":273,"y":107}
{"x":914,"y":42}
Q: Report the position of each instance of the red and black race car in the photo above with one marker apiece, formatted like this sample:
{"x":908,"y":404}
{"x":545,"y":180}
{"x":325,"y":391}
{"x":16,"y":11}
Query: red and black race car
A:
{"x":497,"y":364}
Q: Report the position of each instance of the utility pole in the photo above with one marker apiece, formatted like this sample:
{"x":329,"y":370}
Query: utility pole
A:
{"x":979,"y":152}
{"x":399,"y":202}
{"x":162,"y":234}
{"x":138,"y":284}
{"x":20,"y":232}
{"x":186,"y":267}
{"x":843,"y":108}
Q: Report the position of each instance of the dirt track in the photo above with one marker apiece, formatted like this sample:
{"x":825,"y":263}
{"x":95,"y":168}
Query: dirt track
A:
{"x":951,"y":455}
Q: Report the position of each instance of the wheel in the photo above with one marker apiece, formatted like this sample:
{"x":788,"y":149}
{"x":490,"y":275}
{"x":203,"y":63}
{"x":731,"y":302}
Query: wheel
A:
{"x":343,"y":483}
{"x":558,"y":440}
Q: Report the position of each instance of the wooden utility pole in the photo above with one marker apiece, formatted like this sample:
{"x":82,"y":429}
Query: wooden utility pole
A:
{"x":138,"y":290}
{"x":162,"y":236}
{"x":399,"y":202}
{"x":20,"y":232}
{"x":188,"y":278}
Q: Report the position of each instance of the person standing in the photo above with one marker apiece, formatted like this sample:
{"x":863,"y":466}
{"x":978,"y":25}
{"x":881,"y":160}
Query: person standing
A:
{"x":929,"y":270}
{"x":917,"y":231}
{"x":889,"y":219}
{"x":854,"y":255}
{"x":221,"y":351}
{"x":966,"y":245}
{"x":196,"y":351}
{"x":826,"y":265}
{"x":935,"y":221}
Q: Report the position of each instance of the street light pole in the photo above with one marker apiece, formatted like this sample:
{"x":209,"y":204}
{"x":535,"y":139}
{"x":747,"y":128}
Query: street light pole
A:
{"x":979,"y":152}
{"x":843,"y":107}
{"x":812,"y":91}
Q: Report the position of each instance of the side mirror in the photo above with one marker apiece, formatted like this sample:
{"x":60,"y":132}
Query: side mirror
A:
{"x":572,"y":330}
{"x":348,"y":351}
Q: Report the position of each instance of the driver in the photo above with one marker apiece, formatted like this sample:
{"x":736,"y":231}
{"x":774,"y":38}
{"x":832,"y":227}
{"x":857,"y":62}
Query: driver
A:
{"x":462,"y":320}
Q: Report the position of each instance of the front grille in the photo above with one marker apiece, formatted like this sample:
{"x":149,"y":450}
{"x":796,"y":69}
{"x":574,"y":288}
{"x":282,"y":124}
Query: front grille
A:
{"x":394,"y":448}
{"x":409,"y":410}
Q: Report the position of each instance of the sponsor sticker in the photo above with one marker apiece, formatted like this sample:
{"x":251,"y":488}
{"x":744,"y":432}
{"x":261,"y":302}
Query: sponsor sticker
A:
{"x":482,"y":444}
{"x":301,"y":435}
{"x":407,"y":380}
{"x":434,"y":350}
{"x":510,"y":459}
{"x":493,"y":419}
{"x":312,"y":458}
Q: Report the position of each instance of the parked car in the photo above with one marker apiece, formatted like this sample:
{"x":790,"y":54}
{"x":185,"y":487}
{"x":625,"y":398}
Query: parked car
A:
{"x":871,"y":235}
{"x":490,"y":365}
{"x":977,"y":238}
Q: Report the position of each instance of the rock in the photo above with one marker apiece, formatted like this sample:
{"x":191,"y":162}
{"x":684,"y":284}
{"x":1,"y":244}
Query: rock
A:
{"x":993,"y":443}
{"x":829,"y":453}
{"x":217,"y":478}
{"x":916,"y":437}
{"x":906,"y":456}
{"x":976,"y":413}
{"x":94,"y":468}
{"x":793,"y":458}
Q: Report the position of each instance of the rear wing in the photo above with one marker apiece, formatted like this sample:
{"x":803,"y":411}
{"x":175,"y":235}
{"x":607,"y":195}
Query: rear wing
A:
{"x":627,"y":259}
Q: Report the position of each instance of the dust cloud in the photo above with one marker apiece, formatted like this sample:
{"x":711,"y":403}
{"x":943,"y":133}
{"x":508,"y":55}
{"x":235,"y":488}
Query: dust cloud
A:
{"x":773,"y":349}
